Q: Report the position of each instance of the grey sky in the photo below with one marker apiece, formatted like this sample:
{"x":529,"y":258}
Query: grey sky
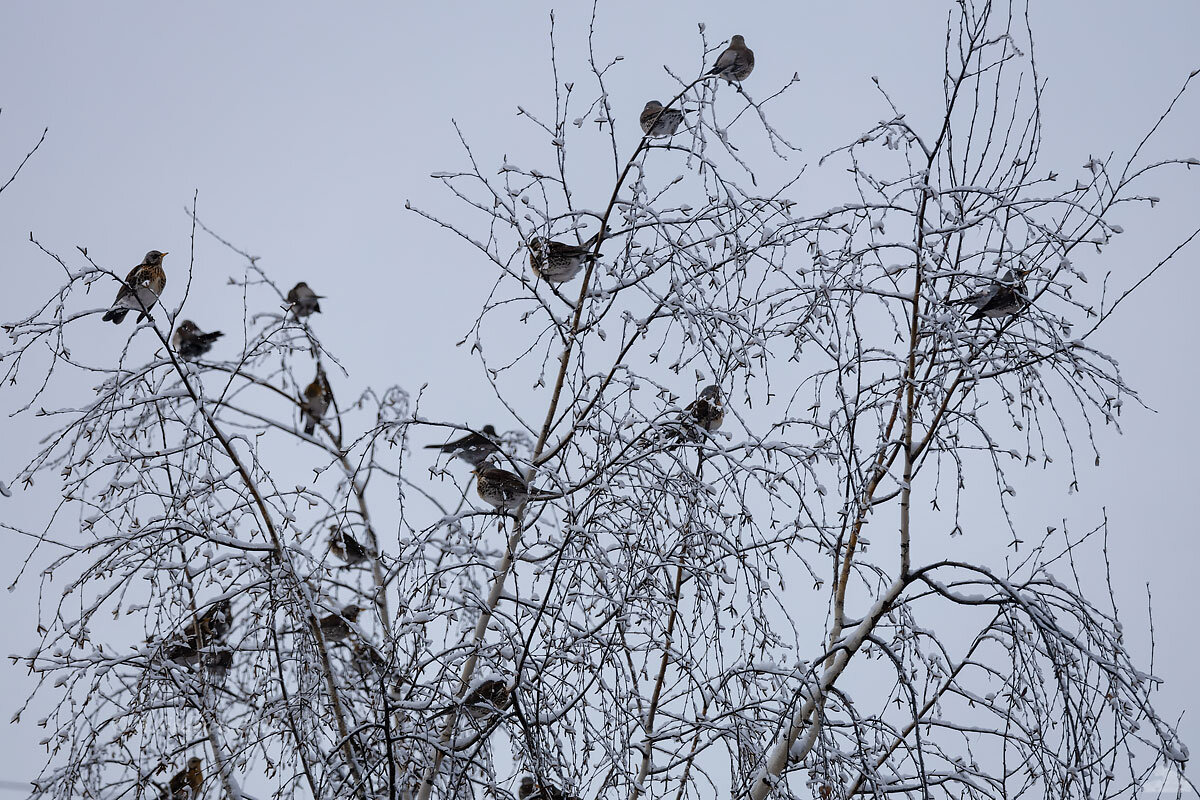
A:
{"x":306,"y":127}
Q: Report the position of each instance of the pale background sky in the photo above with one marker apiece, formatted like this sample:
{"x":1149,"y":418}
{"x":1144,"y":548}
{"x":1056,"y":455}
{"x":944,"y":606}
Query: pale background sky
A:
{"x":305,"y":128}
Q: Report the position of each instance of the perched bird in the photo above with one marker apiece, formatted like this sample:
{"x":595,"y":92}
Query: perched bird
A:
{"x":558,"y":262}
{"x":191,"y":342}
{"x":487,"y":699}
{"x":303,"y":301}
{"x":705,"y":413}
{"x":736,"y":62}
{"x":343,"y":545}
{"x":142,"y":287}
{"x":336,"y":627}
{"x":217,"y":663}
{"x":658,"y":121}
{"x":504,"y":490}
{"x":318,"y":396}
{"x":531,"y":789}
{"x":207,"y":629}
{"x":369,"y":659}
{"x":1002,"y":299}
{"x":185,"y":785}
{"x":213,"y":624}
{"x":472,"y":448}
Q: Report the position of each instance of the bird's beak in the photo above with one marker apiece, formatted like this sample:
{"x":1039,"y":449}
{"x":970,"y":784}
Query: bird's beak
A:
{"x":166,"y":254}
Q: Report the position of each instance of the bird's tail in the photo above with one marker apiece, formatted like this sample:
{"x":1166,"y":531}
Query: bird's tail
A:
{"x":115,"y":315}
{"x":209,"y":338}
{"x":310,"y":426}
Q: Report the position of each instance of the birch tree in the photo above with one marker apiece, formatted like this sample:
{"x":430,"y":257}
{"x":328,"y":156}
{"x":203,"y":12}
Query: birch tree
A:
{"x":659,"y":606}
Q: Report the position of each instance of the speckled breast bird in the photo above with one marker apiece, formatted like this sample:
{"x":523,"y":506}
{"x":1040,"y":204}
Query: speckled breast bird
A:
{"x":531,"y":789}
{"x":487,"y":698}
{"x":343,"y":545}
{"x":472,"y":448}
{"x":208,"y":629}
{"x":558,"y":262}
{"x":660,"y":122}
{"x":336,"y":627}
{"x":142,"y":287}
{"x":318,"y":396}
{"x":736,"y":62}
{"x":191,"y":342}
{"x":185,"y":784}
{"x":1002,"y":299}
{"x":705,"y":413}
{"x":303,"y":301}
{"x":504,"y":490}
{"x":217,"y":663}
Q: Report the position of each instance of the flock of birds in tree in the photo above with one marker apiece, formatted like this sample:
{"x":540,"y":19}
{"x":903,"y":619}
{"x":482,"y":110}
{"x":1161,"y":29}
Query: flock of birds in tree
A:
{"x":202,"y":643}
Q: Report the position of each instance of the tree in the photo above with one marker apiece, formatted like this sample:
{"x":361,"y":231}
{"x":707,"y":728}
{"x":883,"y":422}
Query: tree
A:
{"x":629,"y":625}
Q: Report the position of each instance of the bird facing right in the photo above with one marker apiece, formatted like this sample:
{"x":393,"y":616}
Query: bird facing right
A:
{"x":185,"y":784}
{"x":318,"y":396}
{"x":303,"y":301}
{"x":190,"y":342}
{"x":504,"y":490}
{"x":705,"y":413}
{"x":142,"y":287}
{"x":736,"y":62}
{"x":531,"y":789}
{"x":343,"y":545}
{"x":472,"y":448}
{"x":660,"y":122}
{"x":559,"y":262}
{"x":336,"y":627}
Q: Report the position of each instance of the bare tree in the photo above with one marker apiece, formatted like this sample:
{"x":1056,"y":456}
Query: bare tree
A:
{"x":608,"y":606}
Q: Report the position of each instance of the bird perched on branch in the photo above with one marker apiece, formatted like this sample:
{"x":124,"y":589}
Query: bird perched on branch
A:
{"x":658,"y":121}
{"x":1002,"y":299}
{"x":343,"y":545}
{"x":558,"y":262}
{"x":472,"y":448}
{"x":142,"y":287}
{"x":532,"y":789}
{"x":504,"y":490}
{"x":705,"y":413}
{"x":218,"y":663}
{"x":318,"y":396}
{"x":336,"y":627}
{"x":736,"y":62}
{"x":191,"y":342}
{"x":204,"y":631}
{"x":185,"y":784}
{"x":303,"y":301}
{"x":489,"y":698}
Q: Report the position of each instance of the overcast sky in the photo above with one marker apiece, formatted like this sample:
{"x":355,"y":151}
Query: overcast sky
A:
{"x":306,"y":127}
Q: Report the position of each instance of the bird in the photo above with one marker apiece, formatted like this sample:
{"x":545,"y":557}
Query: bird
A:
{"x":658,"y":121}
{"x":343,"y":545}
{"x":142,"y":287}
{"x":318,"y":396}
{"x":191,"y":342}
{"x":532,"y":789}
{"x":705,"y":413}
{"x":218,"y":663}
{"x":736,"y":62}
{"x":336,"y":627}
{"x":1002,"y":299}
{"x":558,"y":262}
{"x":185,"y":784}
{"x":303,"y":301}
{"x":472,"y":448}
{"x":504,"y":490}
{"x":207,"y":629}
